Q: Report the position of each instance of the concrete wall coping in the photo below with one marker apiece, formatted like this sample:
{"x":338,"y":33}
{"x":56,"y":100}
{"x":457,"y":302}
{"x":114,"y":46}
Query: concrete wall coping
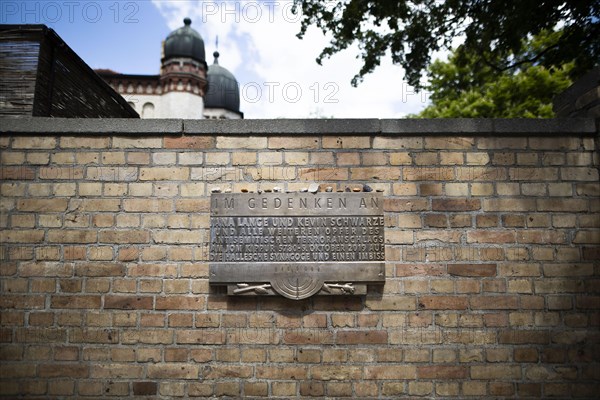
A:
{"x":387,"y":127}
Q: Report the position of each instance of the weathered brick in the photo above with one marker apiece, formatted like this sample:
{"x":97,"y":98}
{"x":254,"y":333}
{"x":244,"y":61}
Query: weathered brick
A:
{"x":43,"y":205}
{"x":86,"y":302}
{"x":494,"y":302}
{"x":241,"y":142}
{"x":335,"y":372}
{"x":99,"y":269}
{"x":346,"y":142}
{"x":173,"y":371}
{"x":16,"y":173}
{"x":458,"y":143}
{"x":63,"y":370}
{"x":137,"y":142}
{"x":307,"y":337}
{"x":189,"y":142}
{"x":110,"y":174}
{"x":455,"y":204}
{"x":282,"y":373}
{"x":442,"y":372}
{"x":509,"y":204}
{"x":491,"y":236}
{"x":443,"y":302}
{"x":33,"y":142}
{"x":316,"y":174}
{"x":362,"y":337}
{"x":177,"y":236}
{"x":164,"y":173}
{"x":116,"y":370}
{"x":478,"y":270}
{"x":180,"y":303}
{"x":496,"y":372}
{"x":293,"y":142}
{"x":145,"y":388}
{"x":587,"y":236}
{"x":386,"y":372}
{"x":128,"y":302}
{"x":391,"y":303}
{"x":428,"y":174}
{"x":72,"y":236}
{"x":124,"y":236}
{"x":22,"y":236}
{"x":384,"y":142}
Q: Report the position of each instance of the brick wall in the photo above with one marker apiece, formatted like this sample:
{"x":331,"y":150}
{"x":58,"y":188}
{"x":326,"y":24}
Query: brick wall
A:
{"x":492,"y":231}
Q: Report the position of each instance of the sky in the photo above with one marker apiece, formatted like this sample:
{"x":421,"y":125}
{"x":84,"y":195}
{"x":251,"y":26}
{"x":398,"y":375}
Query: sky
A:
{"x":277,"y":72}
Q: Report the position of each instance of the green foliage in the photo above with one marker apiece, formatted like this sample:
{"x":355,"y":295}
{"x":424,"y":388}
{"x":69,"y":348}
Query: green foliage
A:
{"x":472,"y":88}
{"x":412,"y":30}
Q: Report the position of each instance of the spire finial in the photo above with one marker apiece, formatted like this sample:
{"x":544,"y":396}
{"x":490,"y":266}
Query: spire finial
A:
{"x":187,"y":21}
{"x":216,"y":53}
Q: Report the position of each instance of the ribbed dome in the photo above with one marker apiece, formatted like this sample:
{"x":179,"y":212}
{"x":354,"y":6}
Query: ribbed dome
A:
{"x":185,"y":42}
{"x":223,"y":89}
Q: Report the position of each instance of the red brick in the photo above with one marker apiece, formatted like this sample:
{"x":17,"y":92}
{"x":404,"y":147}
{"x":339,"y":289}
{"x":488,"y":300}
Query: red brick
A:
{"x":404,"y":204}
{"x":128,"y":302}
{"x":529,"y":389}
{"x":43,"y":205}
{"x":477,"y":270}
{"x":8,"y":301}
{"x":92,"y":335}
{"x":456,"y":204}
{"x":17,"y":173}
{"x":200,"y":337}
{"x":282,"y":373}
{"x":494,"y":302}
{"x":526,"y":355}
{"x":502,"y":389}
{"x":523,"y":337}
{"x":252,"y":336}
{"x":381,"y":372}
{"x":311,"y":336}
{"x":75,"y":302}
{"x":144,"y":388}
{"x":256,"y":389}
{"x":541,"y":236}
{"x":391,"y":303}
{"x":63,"y":370}
{"x":72,"y":236}
{"x":120,"y":370}
{"x":99,"y":269}
{"x":229,"y":371}
{"x":588,"y":302}
{"x":591,"y":253}
{"x":312,"y":388}
{"x":180,"y":303}
{"x":502,"y":372}
{"x":362,"y":337}
{"x":441,"y":372}
{"x":16,"y":371}
{"x":443,"y":302}
{"x":491,"y":236}
{"x":189,"y":142}
{"x":420,"y":270}
{"x":173,"y":371}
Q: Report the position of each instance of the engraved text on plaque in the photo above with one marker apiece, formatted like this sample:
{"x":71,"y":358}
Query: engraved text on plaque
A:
{"x":297,"y":244}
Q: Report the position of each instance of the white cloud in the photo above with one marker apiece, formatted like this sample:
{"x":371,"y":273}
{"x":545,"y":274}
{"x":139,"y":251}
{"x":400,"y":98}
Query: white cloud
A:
{"x":277,"y":72}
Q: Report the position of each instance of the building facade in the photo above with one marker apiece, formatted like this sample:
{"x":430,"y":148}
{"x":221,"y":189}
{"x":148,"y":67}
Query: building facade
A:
{"x":185,"y":87}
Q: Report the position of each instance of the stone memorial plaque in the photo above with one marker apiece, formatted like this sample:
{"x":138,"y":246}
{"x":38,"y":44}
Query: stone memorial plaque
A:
{"x":296,"y":244}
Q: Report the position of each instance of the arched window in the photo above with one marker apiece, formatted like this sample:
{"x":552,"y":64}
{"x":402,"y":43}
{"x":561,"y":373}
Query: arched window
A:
{"x":148,"y":110}
{"x":132,"y":104}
